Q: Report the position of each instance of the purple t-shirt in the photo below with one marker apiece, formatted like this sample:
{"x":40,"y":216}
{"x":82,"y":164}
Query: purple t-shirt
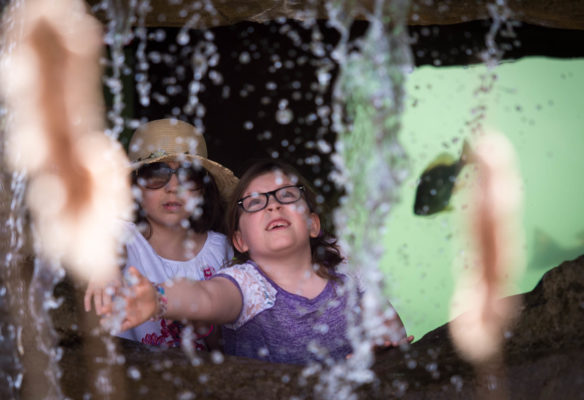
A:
{"x":279,"y":326}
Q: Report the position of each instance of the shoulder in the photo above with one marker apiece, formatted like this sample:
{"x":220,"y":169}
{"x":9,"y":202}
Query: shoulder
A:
{"x":245,"y":274}
{"x":349,"y":280}
{"x":257,"y":292}
{"x":217,"y":240}
{"x":217,"y":246}
{"x":131,"y":233}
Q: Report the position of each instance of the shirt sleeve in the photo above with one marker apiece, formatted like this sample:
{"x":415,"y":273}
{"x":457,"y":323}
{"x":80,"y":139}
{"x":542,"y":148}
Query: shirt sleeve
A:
{"x":257,"y":293}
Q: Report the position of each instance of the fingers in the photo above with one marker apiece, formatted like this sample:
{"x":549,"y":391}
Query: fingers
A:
{"x":389,"y":344}
{"x":140,"y":302}
{"x":128,"y":323}
{"x":134,"y":276}
{"x":101,"y":295}
{"x":94,"y":294}
{"x":88,"y":296}
{"x":97,"y":301}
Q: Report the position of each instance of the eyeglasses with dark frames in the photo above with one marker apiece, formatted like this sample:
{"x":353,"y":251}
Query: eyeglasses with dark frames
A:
{"x":157,"y":175}
{"x":258,"y":201}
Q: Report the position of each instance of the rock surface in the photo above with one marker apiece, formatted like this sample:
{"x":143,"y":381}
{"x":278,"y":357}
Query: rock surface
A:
{"x":566,"y":14}
{"x":543,"y":359}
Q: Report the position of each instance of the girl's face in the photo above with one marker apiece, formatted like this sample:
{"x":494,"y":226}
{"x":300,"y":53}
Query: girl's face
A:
{"x":171,"y":205}
{"x":278,"y":229}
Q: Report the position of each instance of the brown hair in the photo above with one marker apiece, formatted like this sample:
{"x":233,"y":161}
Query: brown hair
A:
{"x":213,"y":206}
{"x":324,"y":249}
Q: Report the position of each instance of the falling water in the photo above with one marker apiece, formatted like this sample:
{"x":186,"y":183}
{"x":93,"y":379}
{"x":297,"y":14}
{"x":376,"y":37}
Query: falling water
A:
{"x":368,"y":101}
{"x":491,"y":56}
{"x":13,"y":297}
{"x":12,"y":290}
{"x":371,"y":163}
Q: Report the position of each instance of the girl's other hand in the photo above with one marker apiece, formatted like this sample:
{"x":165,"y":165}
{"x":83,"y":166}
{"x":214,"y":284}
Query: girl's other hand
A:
{"x":389,"y":344}
{"x":100,"y":295}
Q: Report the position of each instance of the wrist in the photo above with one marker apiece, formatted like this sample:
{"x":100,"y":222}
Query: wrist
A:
{"x":161,"y":302}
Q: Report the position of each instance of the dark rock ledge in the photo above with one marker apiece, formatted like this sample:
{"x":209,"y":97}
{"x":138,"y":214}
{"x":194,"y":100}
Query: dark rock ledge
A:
{"x":543,"y":359}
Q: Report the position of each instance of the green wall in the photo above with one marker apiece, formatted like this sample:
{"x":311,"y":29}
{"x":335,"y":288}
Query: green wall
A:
{"x":537,"y":103}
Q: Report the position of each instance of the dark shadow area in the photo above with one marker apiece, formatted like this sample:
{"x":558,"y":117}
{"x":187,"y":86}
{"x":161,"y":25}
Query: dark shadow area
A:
{"x":257,"y":85}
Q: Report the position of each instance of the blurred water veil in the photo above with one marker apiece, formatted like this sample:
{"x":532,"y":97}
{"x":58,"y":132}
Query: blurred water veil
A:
{"x":368,"y":98}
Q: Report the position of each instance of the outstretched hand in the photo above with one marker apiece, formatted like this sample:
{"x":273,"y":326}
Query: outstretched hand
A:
{"x":141,"y":302}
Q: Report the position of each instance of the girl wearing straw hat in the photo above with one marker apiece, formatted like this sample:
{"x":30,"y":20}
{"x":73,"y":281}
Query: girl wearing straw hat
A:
{"x":180,"y":198}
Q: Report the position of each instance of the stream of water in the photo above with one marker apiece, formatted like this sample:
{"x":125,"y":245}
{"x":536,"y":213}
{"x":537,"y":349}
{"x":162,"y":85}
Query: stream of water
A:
{"x":370,"y":163}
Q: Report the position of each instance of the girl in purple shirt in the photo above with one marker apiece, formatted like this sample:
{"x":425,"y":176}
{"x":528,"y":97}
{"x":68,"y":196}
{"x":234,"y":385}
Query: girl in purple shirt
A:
{"x":283,"y":301}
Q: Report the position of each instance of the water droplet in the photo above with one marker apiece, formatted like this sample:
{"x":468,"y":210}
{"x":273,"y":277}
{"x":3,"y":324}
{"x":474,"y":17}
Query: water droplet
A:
{"x":186,"y":396}
{"x":263,"y":352}
{"x":457,"y":382}
{"x":323,"y":146}
{"x":134,"y":373}
{"x":217,"y":357}
{"x":183,"y":38}
{"x":244,"y":57}
{"x":284,"y":117}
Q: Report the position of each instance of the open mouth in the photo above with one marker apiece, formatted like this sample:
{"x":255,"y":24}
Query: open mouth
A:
{"x":172,"y":205}
{"x":277,"y":224}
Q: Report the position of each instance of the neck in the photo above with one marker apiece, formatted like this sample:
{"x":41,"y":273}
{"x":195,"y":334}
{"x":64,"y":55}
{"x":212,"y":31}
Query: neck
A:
{"x":176,"y":243}
{"x":293,"y":272}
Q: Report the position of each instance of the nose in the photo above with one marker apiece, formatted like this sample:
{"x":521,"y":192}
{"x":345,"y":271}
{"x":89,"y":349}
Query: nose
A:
{"x":173,"y":184}
{"x":273,"y":204}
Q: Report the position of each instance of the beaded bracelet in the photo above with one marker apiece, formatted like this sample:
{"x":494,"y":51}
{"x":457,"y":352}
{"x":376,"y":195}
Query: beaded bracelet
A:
{"x":161,"y":302}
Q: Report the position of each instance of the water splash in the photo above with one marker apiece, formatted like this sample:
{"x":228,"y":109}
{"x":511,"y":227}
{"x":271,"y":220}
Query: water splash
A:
{"x":40,"y":303}
{"x":368,"y":100}
{"x":12,"y":240}
{"x":502,"y":25}
{"x":121,"y":16}
{"x":12,"y":288}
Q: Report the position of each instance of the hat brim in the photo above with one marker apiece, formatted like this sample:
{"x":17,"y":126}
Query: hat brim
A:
{"x":224,"y":177}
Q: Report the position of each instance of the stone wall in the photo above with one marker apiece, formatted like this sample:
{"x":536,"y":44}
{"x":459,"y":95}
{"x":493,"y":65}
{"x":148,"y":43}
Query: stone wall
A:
{"x":542,"y":359}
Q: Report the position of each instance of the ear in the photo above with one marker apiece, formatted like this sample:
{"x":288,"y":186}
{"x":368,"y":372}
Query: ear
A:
{"x":239,"y":243}
{"x":314,"y":228}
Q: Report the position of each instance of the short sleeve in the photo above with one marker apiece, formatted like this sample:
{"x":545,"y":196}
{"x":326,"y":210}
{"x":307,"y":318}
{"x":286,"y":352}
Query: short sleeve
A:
{"x":257,"y":293}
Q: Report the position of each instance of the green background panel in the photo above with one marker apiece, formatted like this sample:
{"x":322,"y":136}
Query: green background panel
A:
{"x":537,"y":103}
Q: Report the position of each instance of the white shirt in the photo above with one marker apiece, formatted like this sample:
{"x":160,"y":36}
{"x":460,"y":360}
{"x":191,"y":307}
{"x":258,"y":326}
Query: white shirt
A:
{"x":215,"y":253}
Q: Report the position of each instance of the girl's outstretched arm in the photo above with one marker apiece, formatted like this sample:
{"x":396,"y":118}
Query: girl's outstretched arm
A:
{"x":216,"y":301}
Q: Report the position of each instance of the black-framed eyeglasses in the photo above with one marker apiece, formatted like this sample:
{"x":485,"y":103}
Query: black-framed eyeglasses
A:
{"x":258,"y":201}
{"x":156,"y":175}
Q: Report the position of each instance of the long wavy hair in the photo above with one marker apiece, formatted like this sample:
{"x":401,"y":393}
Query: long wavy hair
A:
{"x":213,"y":207}
{"x":324,"y":249}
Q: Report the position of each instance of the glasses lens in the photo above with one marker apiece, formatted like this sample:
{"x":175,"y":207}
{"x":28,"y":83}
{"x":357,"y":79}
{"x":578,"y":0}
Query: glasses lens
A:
{"x":254,"y":202}
{"x":288,"y":194}
{"x":258,"y":201}
{"x":157,"y":175}
{"x":154,"y":176}
{"x":187,"y":177}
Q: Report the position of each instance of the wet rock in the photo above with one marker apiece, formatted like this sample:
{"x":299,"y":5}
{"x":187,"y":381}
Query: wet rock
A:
{"x":543,"y":358}
{"x":567,"y":14}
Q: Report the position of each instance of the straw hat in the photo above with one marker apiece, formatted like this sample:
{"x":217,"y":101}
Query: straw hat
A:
{"x":172,"y":139}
